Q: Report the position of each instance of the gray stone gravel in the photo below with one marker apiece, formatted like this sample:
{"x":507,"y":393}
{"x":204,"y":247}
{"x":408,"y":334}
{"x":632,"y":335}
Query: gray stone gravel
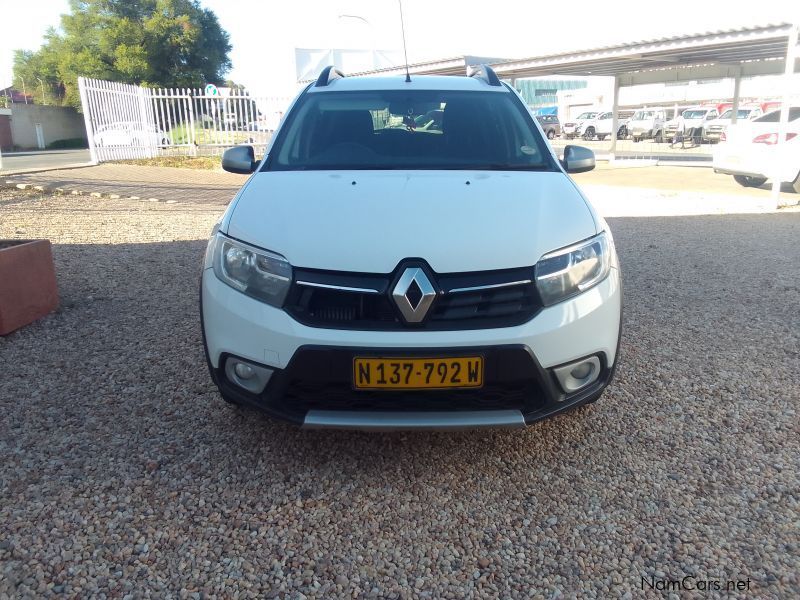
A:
{"x":124,"y":475}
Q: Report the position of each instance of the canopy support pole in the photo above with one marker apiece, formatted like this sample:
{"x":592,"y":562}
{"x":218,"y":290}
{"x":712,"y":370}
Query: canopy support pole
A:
{"x":614,"y":121}
{"x":791,"y":55}
{"x":737,"y":81}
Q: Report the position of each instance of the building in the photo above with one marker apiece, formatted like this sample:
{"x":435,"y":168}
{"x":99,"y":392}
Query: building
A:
{"x":34,"y":126}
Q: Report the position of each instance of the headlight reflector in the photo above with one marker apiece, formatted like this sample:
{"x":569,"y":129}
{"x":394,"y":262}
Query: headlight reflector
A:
{"x":258,"y":273}
{"x":572,"y":270}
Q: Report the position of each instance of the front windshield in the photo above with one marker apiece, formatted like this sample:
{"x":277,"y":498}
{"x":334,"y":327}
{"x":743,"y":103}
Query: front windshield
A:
{"x":641,"y":115}
{"x":400,"y":129}
{"x":587,"y":115}
{"x":742,"y":113}
{"x":694,"y":114}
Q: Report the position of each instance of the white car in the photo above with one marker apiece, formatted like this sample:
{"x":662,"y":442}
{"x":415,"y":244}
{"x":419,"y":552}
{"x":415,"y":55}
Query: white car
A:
{"x":695,"y":119}
{"x":647,"y":123}
{"x":374,"y":277}
{"x":715,"y":129}
{"x":130,"y":133}
{"x":600,"y":126}
{"x":751,"y":153}
{"x":574,"y":128}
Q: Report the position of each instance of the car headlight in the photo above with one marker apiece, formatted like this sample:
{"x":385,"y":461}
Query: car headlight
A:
{"x":258,"y":273}
{"x":572,"y":270}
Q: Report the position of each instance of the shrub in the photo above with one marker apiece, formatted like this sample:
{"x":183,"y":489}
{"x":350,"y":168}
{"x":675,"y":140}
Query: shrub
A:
{"x":68,"y":144}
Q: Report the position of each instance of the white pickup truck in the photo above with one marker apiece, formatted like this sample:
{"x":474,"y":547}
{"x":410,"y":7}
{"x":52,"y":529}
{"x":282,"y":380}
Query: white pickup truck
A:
{"x":695,"y":119}
{"x":573,"y":128}
{"x":714,"y":131}
{"x":600,"y":126}
{"x":647,"y":123}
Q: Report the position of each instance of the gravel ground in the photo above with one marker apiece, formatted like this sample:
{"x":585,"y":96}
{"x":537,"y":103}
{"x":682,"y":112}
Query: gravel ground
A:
{"x":124,"y":474}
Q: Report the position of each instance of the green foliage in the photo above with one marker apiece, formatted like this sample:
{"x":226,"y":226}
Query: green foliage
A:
{"x":157,"y":43}
{"x":68,"y":143}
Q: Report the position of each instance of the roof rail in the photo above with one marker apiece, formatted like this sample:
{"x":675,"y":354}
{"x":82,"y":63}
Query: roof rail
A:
{"x":328,"y":75}
{"x":486,"y":73}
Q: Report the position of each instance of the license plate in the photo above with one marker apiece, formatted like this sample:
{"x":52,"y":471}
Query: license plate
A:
{"x":417,"y":373}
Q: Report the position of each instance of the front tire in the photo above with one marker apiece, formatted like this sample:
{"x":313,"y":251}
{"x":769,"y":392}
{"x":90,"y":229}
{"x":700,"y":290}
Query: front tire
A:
{"x":588,"y":134}
{"x":748,"y":181}
{"x":551,"y":134}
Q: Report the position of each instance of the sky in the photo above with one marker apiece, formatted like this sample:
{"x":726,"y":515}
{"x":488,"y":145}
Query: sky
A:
{"x":264,"y":33}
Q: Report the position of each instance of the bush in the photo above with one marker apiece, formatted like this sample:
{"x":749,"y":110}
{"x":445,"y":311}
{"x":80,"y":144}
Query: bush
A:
{"x":68,"y":144}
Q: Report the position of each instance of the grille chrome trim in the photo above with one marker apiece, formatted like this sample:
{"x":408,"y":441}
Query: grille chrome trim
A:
{"x":478,"y":288}
{"x":340,"y":288}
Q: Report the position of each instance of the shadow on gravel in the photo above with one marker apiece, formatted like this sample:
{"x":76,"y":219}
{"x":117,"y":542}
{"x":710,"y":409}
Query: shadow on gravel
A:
{"x":110,"y":418}
{"x":123,"y":353}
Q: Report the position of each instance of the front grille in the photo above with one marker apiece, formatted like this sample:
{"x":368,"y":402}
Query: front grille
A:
{"x":304,"y":396}
{"x":514,"y":301}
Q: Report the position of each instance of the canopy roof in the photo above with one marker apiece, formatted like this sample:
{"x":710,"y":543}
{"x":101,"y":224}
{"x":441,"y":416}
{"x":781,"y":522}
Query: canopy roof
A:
{"x":759,"y":50}
{"x":747,"y":51}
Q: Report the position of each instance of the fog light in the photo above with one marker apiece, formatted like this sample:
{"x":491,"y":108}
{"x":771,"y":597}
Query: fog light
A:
{"x":244,"y":371}
{"x":251,"y":377}
{"x":579,"y":374}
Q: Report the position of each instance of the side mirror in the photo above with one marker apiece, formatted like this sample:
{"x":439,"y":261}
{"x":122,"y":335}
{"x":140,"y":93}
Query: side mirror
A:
{"x":577,"y":159}
{"x":239,"y":159}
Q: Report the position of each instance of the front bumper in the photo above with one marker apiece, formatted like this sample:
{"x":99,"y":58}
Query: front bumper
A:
{"x":311,"y":384}
{"x":757,"y":160}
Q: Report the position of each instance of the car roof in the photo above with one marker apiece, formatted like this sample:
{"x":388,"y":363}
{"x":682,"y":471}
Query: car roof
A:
{"x":418,"y":82}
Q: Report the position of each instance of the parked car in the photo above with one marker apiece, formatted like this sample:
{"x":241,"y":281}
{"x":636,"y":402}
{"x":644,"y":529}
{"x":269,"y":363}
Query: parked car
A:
{"x":573,"y":128}
{"x":550,"y":125}
{"x":131,"y":133}
{"x":695,"y":119}
{"x":600,"y":127}
{"x":750,"y":151}
{"x":374,"y":277}
{"x":647,"y":123}
{"x":713,"y":130}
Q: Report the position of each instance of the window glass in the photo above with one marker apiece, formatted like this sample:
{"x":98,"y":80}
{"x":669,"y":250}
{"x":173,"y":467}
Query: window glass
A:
{"x":398,"y":129}
{"x":775,"y":116}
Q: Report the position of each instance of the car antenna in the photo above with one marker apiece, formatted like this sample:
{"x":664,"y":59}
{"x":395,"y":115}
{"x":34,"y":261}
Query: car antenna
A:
{"x":403,"y":29}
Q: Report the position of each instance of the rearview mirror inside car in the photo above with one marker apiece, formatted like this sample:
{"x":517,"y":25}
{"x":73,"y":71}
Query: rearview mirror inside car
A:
{"x":577,"y":159}
{"x":239,"y":159}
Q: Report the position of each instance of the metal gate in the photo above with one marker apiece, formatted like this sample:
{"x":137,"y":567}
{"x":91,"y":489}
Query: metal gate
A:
{"x":128,"y":122}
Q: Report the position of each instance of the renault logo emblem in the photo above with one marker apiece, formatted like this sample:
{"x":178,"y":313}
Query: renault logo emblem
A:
{"x":414,"y":294}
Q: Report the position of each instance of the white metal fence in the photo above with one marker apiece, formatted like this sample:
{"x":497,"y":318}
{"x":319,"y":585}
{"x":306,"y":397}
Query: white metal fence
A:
{"x":127,"y":121}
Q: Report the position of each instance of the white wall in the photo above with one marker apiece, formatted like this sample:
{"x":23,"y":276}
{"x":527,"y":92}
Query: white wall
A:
{"x":58,"y":123}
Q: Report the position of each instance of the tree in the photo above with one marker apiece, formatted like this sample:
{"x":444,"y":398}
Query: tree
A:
{"x":156,"y":43}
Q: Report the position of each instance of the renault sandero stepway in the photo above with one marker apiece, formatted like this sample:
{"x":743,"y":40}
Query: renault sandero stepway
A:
{"x":375,"y":273}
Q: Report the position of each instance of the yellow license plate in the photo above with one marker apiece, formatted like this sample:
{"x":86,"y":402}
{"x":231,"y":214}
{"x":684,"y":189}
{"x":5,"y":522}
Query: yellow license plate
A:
{"x":417,"y":373}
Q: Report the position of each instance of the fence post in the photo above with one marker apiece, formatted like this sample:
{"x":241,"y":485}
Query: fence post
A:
{"x":192,"y":135}
{"x":87,"y":118}
{"x":145,"y":125}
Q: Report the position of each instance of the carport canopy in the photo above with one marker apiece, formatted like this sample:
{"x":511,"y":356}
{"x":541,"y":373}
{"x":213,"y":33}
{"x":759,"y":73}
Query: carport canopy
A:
{"x":744,"y":52}
{"x":733,"y":53}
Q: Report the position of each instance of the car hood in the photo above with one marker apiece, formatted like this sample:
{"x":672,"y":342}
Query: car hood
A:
{"x":368,"y":221}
